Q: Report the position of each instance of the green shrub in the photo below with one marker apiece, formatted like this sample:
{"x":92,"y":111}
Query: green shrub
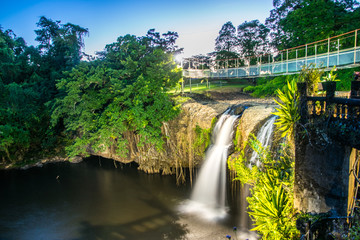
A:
{"x":267,"y":87}
{"x":271,"y":201}
{"x":202,"y":140}
{"x":288,"y":110}
{"x":354,"y":232}
{"x":345,"y":76}
{"x":249,"y":89}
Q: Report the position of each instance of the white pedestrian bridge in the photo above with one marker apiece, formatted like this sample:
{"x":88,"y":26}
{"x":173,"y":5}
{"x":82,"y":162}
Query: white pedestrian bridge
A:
{"x":339,"y":51}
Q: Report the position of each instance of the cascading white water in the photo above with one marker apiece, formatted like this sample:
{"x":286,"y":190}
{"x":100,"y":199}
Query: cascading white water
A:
{"x":264,"y":137}
{"x":208,"y":196}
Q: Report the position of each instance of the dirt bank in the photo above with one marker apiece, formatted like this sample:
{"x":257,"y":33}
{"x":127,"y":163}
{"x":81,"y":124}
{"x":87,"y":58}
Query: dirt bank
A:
{"x":220,"y":100}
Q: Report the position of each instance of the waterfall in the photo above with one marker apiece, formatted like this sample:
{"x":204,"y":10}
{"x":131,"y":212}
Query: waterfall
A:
{"x":264,"y":137}
{"x":208,"y":196}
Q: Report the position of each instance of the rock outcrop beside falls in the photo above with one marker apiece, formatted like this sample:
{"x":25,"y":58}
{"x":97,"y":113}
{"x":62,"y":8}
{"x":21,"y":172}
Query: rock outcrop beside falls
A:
{"x":252,"y":118}
{"x":181,"y":134}
{"x":187,"y":136}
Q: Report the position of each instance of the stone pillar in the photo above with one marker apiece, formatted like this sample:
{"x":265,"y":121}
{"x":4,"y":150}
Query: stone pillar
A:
{"x":355,"y":90}
{"x":321,"y":178}
{"x":302,"y":89}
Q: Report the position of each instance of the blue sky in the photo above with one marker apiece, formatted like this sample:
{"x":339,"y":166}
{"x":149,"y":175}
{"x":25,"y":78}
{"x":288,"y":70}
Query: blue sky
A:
{"x":197,"y":22}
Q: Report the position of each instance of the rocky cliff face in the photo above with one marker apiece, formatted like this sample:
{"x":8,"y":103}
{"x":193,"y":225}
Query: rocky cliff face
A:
{"x":251,"y":120}
{"x":186,"y":139}
{"x":188,"y":136}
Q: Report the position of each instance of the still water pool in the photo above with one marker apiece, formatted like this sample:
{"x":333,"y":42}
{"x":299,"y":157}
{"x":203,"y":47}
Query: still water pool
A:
{"x":95,"y":199}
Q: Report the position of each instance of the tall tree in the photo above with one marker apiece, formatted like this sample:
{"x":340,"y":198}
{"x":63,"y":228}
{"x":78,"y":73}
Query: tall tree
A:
{"x":27,"y":83}
{"x":317,"y":20}
{"x":125,"y":91}
{"x":60,"y":46}
{"x":252,"y":37}
{"x":21,"y":112}
{"x":227,"y":39}
{"x":167,"y":42}
{"x":291,"y":18}
{"x":280,"y":11}
{"x":61,"y":43}
{"x":14,"y":58}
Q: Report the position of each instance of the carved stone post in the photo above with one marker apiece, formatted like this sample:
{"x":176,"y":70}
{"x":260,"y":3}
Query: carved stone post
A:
{"x":302,"y":89}
{"x":355,"y":89}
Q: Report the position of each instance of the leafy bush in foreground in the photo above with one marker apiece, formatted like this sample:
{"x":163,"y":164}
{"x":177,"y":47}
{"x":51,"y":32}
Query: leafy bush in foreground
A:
{"x":271,"y":201}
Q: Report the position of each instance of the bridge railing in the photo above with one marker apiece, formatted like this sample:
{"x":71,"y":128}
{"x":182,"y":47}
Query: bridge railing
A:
{"x":340,"y":115}
{"x":339,"y":51}
{"x":340,"y":58}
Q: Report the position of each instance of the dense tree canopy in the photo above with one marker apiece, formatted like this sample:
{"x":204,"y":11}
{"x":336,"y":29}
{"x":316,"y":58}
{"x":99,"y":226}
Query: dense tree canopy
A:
{"x":291,"y":23}
{"x":252,"y":38}
{"x":21,"y":108}
{"x":226,"y":43}
{"x":317,"y":20}
{"x":60,"y":43}
{"x":124,"y":92}
{"x":227,"y":40}
{"x":94,"y":102}
{"x":27,"y":84}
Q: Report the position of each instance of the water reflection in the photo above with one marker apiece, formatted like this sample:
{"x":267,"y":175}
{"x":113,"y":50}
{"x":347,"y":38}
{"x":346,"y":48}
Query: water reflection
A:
{"x":96,"y":200}
{"x":155,"y":227}
{"x":89,"y":200}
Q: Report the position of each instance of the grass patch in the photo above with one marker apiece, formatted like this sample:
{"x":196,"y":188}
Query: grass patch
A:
{"x":213,"y":85}
{"x":267,"y":86}
{"x":345,"y":75}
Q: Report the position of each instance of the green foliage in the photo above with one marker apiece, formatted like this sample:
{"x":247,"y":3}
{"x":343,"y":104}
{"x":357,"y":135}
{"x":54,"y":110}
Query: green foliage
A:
{"x":202,"y":140}
{"x":238,"y":137}
{"x":270,"y":204}
{"x":346,"y":76}
{"x":27,"y":83}
{"x":311,"y":74}
{"x":331,"y":76}
{"x":180,"y":99}
{"x":245,"y":173}
{"x":252,"y":38}
{"x":61,"y":43}
{"x":289,"y":21}
{"x":288,"y":26}
{"x":326,"y":18}
{"x":230,"y":57}
{"x":97,"y":102}
{"x":288,"y":110}
{"x":272,"y":210}
{"x":227,"y":40}
{"x":124,"y":92}
{"x":354,"y":232}
{"x":20,"y":120}
{"x":267,"y":87}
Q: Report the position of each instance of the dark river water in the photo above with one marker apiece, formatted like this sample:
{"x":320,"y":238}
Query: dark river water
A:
{"x":95,"y":200}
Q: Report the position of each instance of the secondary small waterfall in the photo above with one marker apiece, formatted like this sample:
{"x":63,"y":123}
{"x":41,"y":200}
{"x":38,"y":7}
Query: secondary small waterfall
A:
{"x":264,"y":137}
{"x":208,"y":196}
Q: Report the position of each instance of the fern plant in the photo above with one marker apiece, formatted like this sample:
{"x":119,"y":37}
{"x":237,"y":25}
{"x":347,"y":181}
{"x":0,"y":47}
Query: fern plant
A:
{"x":271,"y":201}
{"x":288,"y":110}
{"x":272,"y":210}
